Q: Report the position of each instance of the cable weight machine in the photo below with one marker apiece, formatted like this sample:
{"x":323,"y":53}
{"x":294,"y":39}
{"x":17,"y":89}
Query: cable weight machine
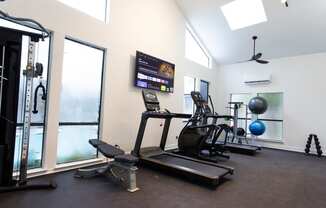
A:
{"x":9,"y":90}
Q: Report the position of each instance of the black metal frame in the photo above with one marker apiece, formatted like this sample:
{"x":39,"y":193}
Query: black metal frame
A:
{"x":47,"y":79}
{"x":98,"y":123}
{"x":44,"y":124}
{"x":21,"y":183}
{"x":8,"y":113}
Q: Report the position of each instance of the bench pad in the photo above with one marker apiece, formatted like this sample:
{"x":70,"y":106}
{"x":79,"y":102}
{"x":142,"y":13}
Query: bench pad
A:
{"x":107,"y":150}
{"x":126,"y":159}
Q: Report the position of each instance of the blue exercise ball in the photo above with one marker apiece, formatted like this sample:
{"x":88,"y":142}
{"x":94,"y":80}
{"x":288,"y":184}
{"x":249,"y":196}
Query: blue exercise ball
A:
{"x":257,"y":128}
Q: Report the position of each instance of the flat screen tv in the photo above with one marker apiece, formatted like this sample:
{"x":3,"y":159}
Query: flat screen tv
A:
{"x":154,"y":73}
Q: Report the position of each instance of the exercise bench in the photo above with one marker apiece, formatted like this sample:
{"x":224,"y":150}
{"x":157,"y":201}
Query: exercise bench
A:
{"x":120,"y":167}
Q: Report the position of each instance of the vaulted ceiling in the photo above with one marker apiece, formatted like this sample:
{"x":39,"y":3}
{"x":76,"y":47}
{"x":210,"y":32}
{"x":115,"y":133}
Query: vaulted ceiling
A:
{"x":290,"y":31}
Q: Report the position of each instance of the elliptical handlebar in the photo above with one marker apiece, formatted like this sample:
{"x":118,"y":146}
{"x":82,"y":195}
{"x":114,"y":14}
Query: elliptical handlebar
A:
{"x":211,"y":102}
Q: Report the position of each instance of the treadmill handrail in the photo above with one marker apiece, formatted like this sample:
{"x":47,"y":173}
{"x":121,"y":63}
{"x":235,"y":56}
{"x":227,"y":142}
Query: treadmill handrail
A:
{"x":167,"y":116}
{"x":203,"y":126}
{"x":163,"y":114}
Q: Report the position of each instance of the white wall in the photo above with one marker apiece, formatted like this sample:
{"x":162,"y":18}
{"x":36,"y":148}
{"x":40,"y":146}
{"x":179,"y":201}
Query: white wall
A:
{"x":156,"y":27}
{"x":301,"y":79}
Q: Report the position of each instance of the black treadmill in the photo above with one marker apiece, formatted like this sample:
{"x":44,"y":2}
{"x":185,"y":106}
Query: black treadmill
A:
{"x":157,"y":157}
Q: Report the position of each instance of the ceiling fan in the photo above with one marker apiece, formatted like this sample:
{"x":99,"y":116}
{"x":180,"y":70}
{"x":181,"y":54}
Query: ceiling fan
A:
{"x":257,"y":57}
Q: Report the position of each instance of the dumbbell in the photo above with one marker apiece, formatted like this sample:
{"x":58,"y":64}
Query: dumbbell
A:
{"x":307,"y":151}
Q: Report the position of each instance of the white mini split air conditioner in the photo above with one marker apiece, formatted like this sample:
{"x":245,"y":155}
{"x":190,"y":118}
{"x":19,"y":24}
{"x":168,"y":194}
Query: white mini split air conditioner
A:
{"x":256,"y":79}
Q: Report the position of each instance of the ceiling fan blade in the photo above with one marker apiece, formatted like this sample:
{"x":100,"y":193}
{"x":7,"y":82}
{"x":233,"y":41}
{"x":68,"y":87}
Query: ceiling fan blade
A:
{"x":240,"y":62}
{"x":252,"y":58}
{"x":257,"y":56}
{"x":262,"y":61}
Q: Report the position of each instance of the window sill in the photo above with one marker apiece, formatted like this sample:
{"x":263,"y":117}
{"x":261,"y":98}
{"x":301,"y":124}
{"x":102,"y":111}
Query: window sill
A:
{"x":32,"y":172}
{"x":279,"y":141}
{"x":79,"y":164}
{"x":64,"y":167}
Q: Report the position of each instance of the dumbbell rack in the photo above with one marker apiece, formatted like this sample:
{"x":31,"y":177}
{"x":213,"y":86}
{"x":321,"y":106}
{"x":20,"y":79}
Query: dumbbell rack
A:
{"x":317,"y":143}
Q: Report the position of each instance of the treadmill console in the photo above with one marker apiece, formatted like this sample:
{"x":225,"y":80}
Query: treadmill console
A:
{"x":151,"y":101}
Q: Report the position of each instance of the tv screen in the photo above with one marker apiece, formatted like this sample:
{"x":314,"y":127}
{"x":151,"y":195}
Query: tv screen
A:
{"x":154,"y":73}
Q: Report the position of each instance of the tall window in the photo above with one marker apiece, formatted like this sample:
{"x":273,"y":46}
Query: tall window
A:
{"x":80,"y":101}
{"x":272,"y":118}
{"x":189,"y":86}
{"x":204,"y":89}
{"x":38,"y":119}
{"x":97,"y":9}
{"x":194,"y":50}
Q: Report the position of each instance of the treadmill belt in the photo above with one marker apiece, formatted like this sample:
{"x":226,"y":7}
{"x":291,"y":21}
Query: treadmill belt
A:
{"x":209,"y":170}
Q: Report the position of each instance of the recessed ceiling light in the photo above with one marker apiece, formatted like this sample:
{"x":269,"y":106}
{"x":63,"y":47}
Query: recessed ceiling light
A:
{"x":244,"y":13}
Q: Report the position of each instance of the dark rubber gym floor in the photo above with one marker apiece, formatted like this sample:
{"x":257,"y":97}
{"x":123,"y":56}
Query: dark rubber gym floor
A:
{"x":271,"y":179}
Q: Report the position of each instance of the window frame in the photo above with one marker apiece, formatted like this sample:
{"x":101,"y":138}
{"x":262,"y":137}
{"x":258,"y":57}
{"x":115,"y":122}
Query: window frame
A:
{"x":261,"y":119}
{"x":99,"y":122}
{"x":207,"y":83}
{"x":201,"y":46}
{"x":185,"y":94}
{"x":106,"y":15}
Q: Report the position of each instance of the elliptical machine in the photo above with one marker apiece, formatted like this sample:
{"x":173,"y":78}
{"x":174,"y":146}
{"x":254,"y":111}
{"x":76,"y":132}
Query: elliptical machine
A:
{"x":198,"y":138}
